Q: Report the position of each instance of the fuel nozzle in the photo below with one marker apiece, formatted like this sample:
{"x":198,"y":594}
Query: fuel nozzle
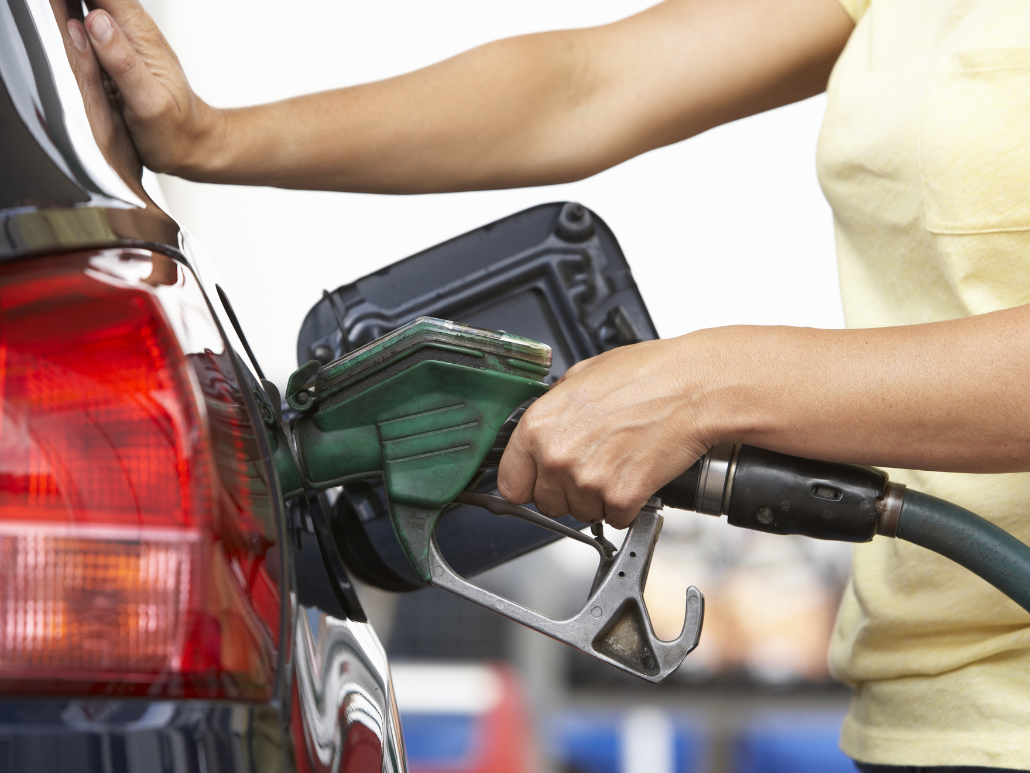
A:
{"x":419,"y":408}
{"x":426,"y":408}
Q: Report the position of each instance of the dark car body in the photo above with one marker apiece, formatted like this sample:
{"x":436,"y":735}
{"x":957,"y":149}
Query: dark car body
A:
{"x":69,"y":196}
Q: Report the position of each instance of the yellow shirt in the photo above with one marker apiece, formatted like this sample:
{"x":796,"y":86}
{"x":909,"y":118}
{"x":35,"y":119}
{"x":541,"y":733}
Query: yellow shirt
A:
{"x":924,"y":156}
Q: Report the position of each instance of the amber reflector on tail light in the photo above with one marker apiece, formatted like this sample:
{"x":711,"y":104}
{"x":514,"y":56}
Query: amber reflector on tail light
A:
{"x":114,"y":576}
{"x":92,"y":603}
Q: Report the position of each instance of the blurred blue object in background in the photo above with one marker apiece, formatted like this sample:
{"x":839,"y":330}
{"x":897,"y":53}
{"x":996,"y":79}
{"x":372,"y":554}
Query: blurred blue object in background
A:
{"x":641,"y":740}
{"x":439,"y":740}
{"x":585,"y":742}
{"x":791,"y":743}
{"x":649,"y":740}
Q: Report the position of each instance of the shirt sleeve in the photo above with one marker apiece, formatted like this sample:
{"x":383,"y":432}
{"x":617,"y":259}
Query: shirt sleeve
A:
{"x":855,"y":8}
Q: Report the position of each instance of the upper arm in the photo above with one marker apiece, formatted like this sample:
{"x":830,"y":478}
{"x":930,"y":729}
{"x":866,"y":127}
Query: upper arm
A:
{"x":685,"y":66}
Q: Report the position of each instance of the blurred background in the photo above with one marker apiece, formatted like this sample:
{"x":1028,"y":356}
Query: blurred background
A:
{"x":727,"y":228}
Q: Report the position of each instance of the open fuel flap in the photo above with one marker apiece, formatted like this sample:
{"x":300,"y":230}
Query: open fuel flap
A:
{"x":553,"y":273}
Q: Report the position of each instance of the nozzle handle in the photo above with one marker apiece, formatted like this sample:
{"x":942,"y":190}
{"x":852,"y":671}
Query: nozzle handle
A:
{"x":765,"y":490}
{"x":681,"y":492}
{"x":781,"y":494}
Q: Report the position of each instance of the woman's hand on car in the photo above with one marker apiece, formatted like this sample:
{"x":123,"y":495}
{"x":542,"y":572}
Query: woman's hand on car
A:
{"x":171,"y":127}
{"x":102,"y":110}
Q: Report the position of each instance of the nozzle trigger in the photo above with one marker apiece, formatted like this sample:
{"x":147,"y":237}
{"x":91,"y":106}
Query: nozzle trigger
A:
{"x":613,"y":625}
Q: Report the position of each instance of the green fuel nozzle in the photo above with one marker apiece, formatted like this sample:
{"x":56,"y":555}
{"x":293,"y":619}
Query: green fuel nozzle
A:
{"x":420,"y":407}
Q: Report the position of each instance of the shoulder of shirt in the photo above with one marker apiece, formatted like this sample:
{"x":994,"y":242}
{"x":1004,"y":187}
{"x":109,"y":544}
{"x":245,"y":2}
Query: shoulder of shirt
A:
{"x":855,"y":8}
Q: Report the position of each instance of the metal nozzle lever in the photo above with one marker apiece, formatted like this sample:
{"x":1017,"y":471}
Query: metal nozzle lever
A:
{"x":613,"y":624}
{"x":499,"y":506}
{"x":597,"y":529}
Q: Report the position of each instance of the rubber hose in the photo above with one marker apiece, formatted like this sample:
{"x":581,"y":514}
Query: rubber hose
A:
{"x":969,"y":540}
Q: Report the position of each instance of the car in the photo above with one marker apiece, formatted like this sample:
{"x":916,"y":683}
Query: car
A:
{"x":151,"y":619}
{"x":163,"y":605}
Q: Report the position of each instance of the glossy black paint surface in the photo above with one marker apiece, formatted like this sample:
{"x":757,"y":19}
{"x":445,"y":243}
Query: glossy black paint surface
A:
{"x":98,"y":736}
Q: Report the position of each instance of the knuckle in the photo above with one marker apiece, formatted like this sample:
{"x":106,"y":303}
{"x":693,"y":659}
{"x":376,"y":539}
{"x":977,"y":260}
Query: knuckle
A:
{"x":587,"y":511}
{"x":619,"y":523}
{"x":551,"y":507}
{"x":573,"y":372}
{"x":508,"y":493}
{"x":512,"y":486}
{"x":531,"y":425}
{"x":555,"y":457}
{"x":548,"y":510}
{"x":92,"y":78}
{"x":592,"y":481}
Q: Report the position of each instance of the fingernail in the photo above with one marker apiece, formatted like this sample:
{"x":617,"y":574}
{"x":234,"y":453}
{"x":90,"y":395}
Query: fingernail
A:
{"x":100,"y":28}
{"x":78,"y":39}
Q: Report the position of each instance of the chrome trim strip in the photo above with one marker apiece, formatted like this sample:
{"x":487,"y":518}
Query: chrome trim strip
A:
{"x":712,"y":490}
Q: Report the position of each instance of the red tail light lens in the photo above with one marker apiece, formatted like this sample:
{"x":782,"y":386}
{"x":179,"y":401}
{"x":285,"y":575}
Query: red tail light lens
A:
{"x":135,"y":554}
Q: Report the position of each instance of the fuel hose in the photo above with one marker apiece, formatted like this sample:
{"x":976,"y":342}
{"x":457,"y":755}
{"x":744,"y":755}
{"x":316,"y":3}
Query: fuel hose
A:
{"x":780,"y":494}
{"x":970,"y":541}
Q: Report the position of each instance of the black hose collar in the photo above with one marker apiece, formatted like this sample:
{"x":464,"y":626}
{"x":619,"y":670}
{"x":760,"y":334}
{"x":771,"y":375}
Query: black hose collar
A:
{"x":782,"y":494}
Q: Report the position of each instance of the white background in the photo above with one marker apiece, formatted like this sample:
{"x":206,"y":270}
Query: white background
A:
{"x":726,"y":228}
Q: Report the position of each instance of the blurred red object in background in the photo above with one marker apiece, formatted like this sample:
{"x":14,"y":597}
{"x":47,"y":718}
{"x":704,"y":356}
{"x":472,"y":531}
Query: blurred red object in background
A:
{"x":464,"y":719}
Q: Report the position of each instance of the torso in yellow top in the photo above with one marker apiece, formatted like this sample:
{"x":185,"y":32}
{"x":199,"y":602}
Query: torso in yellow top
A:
{"x":924,"y":156}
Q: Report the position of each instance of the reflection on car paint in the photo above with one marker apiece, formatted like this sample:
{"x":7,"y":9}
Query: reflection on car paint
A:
{"x":343,"y":683}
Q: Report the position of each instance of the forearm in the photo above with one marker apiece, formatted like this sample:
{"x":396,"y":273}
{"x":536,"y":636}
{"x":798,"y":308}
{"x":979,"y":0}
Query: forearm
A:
{"x":537,"y":109}
{"x":948,"y":396}
{"x":490,"y":117}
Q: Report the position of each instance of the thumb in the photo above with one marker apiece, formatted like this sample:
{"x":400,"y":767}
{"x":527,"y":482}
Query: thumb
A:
{"x":140,"y":91}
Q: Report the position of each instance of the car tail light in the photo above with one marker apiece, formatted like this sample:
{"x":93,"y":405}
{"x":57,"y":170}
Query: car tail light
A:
{"x":137,"y":555}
